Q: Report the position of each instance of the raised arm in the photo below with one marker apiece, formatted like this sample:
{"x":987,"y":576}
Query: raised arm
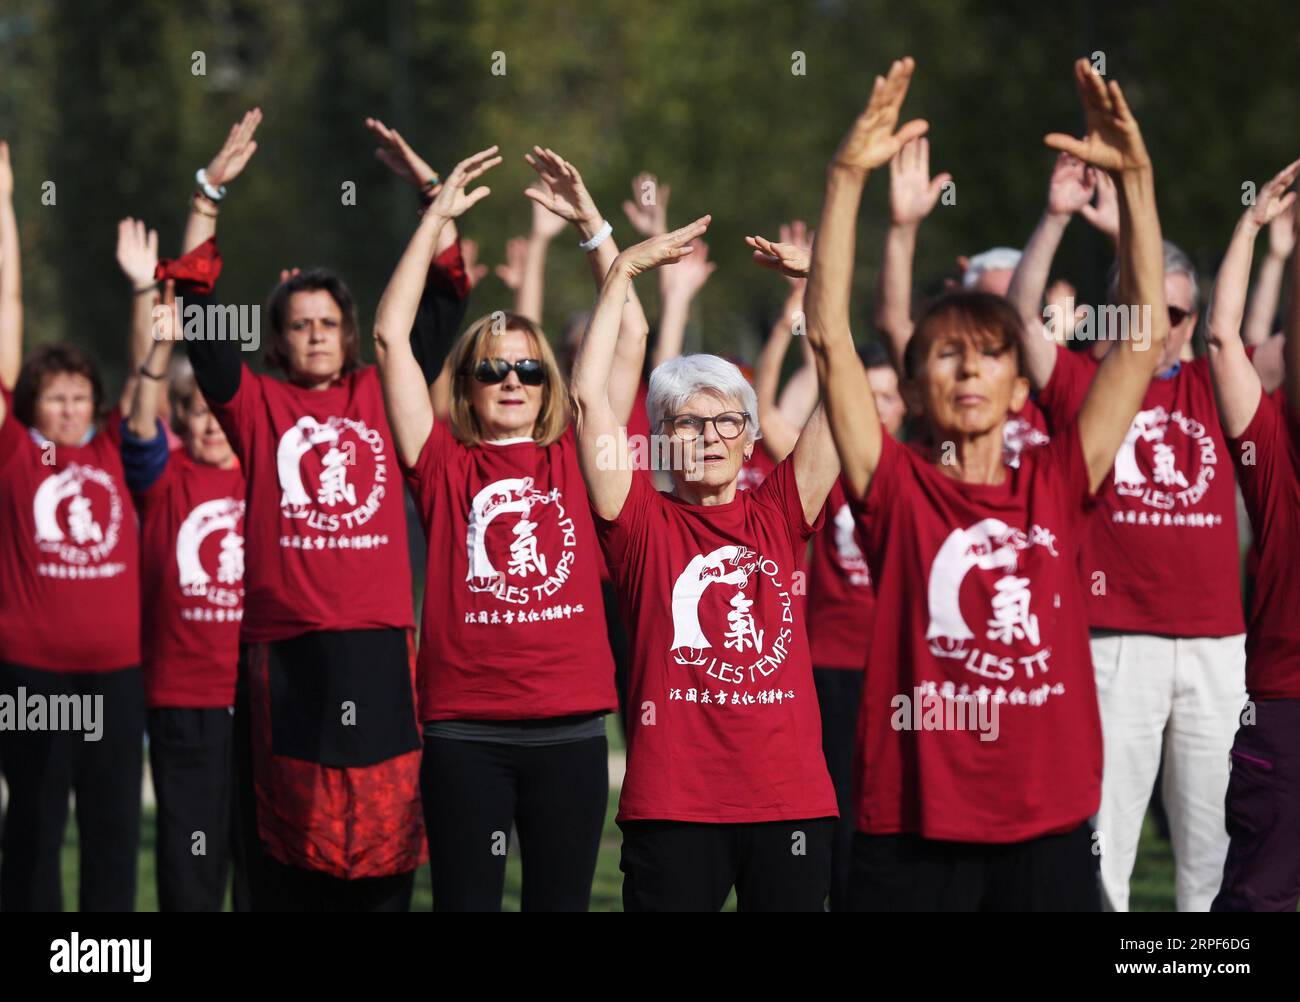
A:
{"x":1236,"y":383}
{"x":137,"y":256}
{"x":564,"y":193}
{"x":11,"y":282}
{"x":1292,"y":330}
{"x":406,"y":392}
{"x":913,"y":195}
{"x":779,"y":433}
{"x":602,"y":436}
{"x":846,"y":393}
{"x":1268,"y":283}
{"x":678,"y":288}
{"x":1114,"y":143}
{"x":223,"y":168}
{"x":1071,"y":188}
{"x":150,"y":385}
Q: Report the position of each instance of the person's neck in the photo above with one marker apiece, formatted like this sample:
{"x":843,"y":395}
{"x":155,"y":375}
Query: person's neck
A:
{"x":314,"y":382}
{"x":706,"y":495}
{"x":972,"y":459}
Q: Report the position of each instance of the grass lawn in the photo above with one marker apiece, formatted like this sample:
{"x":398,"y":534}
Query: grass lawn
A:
{"x":1152,"y":888}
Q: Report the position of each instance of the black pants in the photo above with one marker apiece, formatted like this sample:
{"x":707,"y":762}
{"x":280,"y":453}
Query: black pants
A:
{"x":907,"y":873}
{"x":554,"y":794}
{"x":620,"y":647}
{"x":189,"y":754}
{"x":42,"y":766}
{"x":839,"y":693}
{"x":682,"y":866}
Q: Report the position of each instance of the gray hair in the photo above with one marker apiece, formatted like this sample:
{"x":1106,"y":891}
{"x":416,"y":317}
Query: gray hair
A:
{"x":677,"y":380}
{"x":994,"y":259}
{"x":1176,"y":263}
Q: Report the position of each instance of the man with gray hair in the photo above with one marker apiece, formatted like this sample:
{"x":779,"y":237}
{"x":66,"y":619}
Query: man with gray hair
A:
{"x":1160,"y":567}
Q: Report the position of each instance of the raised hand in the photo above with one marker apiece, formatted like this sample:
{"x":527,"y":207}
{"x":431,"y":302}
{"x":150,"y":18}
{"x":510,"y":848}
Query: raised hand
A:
{"x":1281,"y":237}
{"x":563,"y":191}
{"x":790,"y":259}
{"x":453,"y":200}
{"x":667,"y":248}
{"x":396,"y":154}
{"x":1104,"y":215}
{"x":689,"y":276}
{"x":648,"y":209}
{"x":546,"y":224}
{"x":1113,"y":140}
{"x":288,"y":273}
{"x":872,"y":140}
{"x":137,"y":252}
{"x":469,"y":255}
{"x":512,"y":272}
{"x":913,"y":194}
{"x":235,"y":153}
{"x":1274,"y":202}
{"x":1072,"y":186}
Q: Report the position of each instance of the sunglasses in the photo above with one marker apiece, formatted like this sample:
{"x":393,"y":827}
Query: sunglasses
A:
{"x":690,"y":426}
{"x":1177,"y":315}
{"x":495,"y":370}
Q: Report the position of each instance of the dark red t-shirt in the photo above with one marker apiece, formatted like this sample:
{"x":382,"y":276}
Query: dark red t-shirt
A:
{"x":192,"y":583}
{"x":1267,"y":457}
{"x":722,"y":713}
{"x":1024,"y":430}
{"x":513,"y":625}
{"x":326,"y":525}
{"x":757,"y":469}
{"x":841,"y":601}
{"x":1161,"y":555}
{"x":979,"y":611}
{"x":69,"y":554}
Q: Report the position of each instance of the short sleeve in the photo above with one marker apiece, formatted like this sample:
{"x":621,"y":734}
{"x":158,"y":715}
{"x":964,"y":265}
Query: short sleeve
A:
{"x":1263,"y":455}
{"x":780,"y":490}
{"x":624,"y":538}
{"x":238,"y":415}
{"x":429,"y":465}
{"x":1062,"y":398}
{"x":1062,"y":460}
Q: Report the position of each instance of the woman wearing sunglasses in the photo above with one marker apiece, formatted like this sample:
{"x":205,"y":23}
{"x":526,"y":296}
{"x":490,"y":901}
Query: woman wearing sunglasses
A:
{"x":515,"y":670}
{"x":726,"y":783}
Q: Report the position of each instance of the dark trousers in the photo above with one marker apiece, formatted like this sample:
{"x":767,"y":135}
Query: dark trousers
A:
{"x":683,"y":866}
{"x":189,"y":755}
{"x":839,"y":693}
{"x":1262,"y":871}
{"x":43,"y":766}
{"x":907,"y":873}
{"x":555,"y":795}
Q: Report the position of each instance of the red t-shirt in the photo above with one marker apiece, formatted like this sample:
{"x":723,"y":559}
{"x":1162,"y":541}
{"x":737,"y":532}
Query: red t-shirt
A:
{"x":757,"y":469}
{"x":326,"y":526}
{"x":192,"y":583}
{"x":1161,"y":555}
{"x":69,"y":554}
{"x":722,"y":713}
{"x":514,"y":623}
{"x":1267,"y":457}
{"x":841,"y":602}
{"x":1024,"y":430}
{"x":979,"y":611}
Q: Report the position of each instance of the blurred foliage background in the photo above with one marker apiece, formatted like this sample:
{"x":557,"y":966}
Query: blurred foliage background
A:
{"x":99,"y":97}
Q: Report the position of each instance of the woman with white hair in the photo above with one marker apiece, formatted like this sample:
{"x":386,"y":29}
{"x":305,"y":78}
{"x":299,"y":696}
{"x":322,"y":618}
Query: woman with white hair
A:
{"x":726,"y":783}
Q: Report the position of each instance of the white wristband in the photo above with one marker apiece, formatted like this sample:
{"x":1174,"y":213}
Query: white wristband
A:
{"x":599,"y":238}
{"x":215,"y":194}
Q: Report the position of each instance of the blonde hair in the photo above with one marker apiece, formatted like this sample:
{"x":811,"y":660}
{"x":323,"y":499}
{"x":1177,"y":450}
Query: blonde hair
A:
{"x":475,"y":345}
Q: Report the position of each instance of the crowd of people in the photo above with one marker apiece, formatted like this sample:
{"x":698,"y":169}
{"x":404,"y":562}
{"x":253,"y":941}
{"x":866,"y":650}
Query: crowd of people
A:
{"x":1023,"y":602}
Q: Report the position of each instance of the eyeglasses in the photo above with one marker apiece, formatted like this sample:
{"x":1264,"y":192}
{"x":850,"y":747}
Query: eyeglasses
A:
{"x":495,"y":370}
{"x":1177,"y":315}
{"x":729,"y":424}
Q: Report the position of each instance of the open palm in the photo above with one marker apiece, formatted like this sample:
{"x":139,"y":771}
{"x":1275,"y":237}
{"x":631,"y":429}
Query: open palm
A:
{"x":563,"y":191}
{"x":1112,"y":140}
{"x":872,"y":141}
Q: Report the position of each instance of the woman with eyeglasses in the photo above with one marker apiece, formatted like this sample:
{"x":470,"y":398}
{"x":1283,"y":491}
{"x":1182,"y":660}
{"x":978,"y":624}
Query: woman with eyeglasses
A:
{"x":726,"y":784}
{"x":327,"y":744}
{"x":515,"y":670}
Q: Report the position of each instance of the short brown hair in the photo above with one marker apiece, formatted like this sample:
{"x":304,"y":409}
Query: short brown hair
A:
{"x":41,"y":365}
{"x":980,"y":318}
{"x":278,"y":310}
{"x":473,"y":346}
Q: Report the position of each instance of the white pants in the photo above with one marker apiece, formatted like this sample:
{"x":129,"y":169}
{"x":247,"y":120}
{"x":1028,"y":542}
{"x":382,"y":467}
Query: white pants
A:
{"x":1182,"y":696}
